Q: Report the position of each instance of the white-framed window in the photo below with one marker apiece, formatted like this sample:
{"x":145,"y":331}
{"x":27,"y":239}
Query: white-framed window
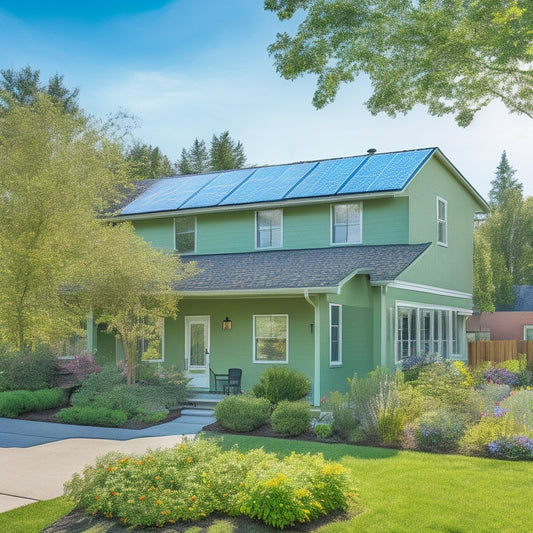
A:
{"x":271,"y":338}
{"x":335,"y":334}
{"x":152,"y":347}
{"x":185,"y":234}
{"x":269,"y":228}
{"x":528,"y":333}
{"x":442,"y":222}
{"x":425,"y":330}
{"x":346,"y":223}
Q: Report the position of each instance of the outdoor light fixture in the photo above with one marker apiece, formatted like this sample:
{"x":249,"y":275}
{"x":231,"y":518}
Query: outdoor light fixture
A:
{"x":312,"y":326}
{"x":226,"y":323}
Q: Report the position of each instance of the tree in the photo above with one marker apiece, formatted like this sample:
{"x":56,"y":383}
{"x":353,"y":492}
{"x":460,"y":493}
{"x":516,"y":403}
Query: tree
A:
{"x":483,"y":280}
{"x":129,"y":285}
{"x":147,"y":162}
{"x":452,"y":56}
{"x":224,"y":154}
{"x":503,"y":182}
{"x":195,"y":160}
{"x":23,"y":86}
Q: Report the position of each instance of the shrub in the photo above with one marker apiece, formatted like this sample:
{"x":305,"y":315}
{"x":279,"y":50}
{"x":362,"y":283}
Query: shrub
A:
{"x":151,"y":417}
{"x":488,"y":429}
{"x":28,"y":370}
{"x":279,"y":383}
{"x":443,"y":382}
{"x":82,"y":365}
{"x":344,"y":421}
{"x":439,"y":431}
{"x":502,"y":377}
{"x":323,"y":431}
{"x":96,"y":386}
{"x":482,"y":400}
{"x":14,"y":403}
{"x":195,"y":479}
{"x":519,"y":367}
{"x":520,"y":406}
{"x":242,"y":412}
{"x":92,"y":416}
{"x":518,"y":447}
{"x":376,"y":402}
{"x":411,"y":366}
{"x":291,"y":418}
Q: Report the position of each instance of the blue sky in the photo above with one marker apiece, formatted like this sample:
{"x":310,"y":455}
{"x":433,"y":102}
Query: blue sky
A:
{"x":191,"y":68}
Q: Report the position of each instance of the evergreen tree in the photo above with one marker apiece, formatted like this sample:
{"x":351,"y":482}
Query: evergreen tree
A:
{"x":147,"y":162}
{"x":503,"y":182}
{"x":483,"y":279}
{"x":22,"y":87}
{"x":224,"y":154}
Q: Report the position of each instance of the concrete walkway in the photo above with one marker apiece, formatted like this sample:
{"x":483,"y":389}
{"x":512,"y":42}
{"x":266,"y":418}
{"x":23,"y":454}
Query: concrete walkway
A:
{"x":36,"y":458}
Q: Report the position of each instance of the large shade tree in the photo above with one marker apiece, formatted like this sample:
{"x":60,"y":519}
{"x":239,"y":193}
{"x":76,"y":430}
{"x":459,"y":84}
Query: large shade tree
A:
{"x":452,"y":56}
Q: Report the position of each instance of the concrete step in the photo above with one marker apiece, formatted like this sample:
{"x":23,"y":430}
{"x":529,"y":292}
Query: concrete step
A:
{"x":197,"y":412}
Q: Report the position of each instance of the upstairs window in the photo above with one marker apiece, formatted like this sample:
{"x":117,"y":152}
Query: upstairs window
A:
{"x":185,"y":235}
{"x":346,"y":223}
{"x":442,"y":222}
{"x":269,"y":228}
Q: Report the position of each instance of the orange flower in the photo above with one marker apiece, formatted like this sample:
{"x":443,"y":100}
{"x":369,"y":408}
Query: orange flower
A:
{"x":113,"y":493}
{"x":193,"y":498}
{"x":124,"y":460}
{"x":123,"y":520}
{"x":158,"y":477}
{"x":96,"y":497}
{"x":158,"y":502}
{"x":139,"y":462}
{"x":152,"y":488}
{"x":165,"y":512}
{"x":142,"y":498}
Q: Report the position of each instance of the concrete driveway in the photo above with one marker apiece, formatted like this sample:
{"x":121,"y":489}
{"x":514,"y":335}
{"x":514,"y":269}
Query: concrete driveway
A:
{"x":36,"y":458}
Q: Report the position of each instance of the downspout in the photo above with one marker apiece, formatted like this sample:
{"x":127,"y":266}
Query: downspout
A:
{"x":383,"y":309}
{"x":316,"y":374}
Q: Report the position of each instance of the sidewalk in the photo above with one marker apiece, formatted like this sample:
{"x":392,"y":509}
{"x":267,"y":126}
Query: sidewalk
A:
{"x":36,"y":458}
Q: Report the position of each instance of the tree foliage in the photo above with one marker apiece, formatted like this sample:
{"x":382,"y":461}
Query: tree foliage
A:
{"x":224,"y":154}
{"x":454,"y":57}
{"x":24,"y":85}
{"x":146,"y":162}
{"x":483,"y":279}
{"x":507,"y":235}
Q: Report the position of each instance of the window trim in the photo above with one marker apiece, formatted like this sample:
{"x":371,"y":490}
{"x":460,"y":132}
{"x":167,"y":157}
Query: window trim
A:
{"x":526,"y":328}
{"x":332,"y":224}
{"x":256,"y":230}
{"x":254,"y":340}
{"x":443,"y":221}
{"x":195,"y":233}
{"x":339,"y":326}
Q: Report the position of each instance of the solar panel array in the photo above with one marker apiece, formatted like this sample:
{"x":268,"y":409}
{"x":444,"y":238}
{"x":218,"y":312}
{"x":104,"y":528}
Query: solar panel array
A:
{"x":349,"y":175}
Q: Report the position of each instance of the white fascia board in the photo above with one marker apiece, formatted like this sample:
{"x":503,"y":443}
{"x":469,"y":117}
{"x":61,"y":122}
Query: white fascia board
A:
{"x":258,"y":293}
{"x":439,"y":291}
{"x":258,"y":205}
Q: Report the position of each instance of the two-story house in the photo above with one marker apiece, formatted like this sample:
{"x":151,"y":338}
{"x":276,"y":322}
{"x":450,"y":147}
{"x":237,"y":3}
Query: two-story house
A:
{"x":329,"y":267}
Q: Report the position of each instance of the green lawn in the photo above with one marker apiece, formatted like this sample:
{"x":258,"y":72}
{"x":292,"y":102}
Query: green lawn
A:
{"x":398,"y":491}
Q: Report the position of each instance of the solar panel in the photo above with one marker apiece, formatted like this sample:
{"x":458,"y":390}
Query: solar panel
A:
{"x":350,"y":175}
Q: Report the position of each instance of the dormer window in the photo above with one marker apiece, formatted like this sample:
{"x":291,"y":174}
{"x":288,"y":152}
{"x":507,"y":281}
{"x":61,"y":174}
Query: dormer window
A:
{"x":185,"y":235}
{"x":268,"y":226}
{"x":346,"y":227}
{"x":442,"y":222}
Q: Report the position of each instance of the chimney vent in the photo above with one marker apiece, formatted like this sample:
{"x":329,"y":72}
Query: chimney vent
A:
{"x":371,"y":151}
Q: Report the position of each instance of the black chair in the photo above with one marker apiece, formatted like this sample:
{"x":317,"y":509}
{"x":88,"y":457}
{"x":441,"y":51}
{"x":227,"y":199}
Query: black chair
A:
{"x":233,"y":385}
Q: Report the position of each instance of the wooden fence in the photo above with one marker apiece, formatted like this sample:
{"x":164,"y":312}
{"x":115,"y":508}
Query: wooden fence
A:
{"x":498,"y":351}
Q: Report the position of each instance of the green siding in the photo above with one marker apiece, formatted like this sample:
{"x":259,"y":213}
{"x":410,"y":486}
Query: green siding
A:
{"x":449,"y":266}
{"x":386,"y":221}
{"x":159,"y":232}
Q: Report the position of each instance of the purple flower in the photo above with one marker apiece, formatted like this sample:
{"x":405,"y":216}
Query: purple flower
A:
{"x":500,"y":411}
{"x":501,"y":377}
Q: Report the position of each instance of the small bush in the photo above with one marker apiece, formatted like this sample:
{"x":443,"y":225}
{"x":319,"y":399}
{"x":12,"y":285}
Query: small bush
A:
{"x":92,"y":416}
{"x":344,"y":421}
{"x":488,"y":429}
{"x":514,"y":448}
{"x":14,"y":403}
{"x":411,"y":366}
{"x":152,"y":417}
{"x":28,"y":370}
{"x":279,"y":383}
{"x":82,"y":365}
{"x":291,"y":418}
{"x":520,"y":406}
{"x":439,"y":431}
{"x":501,"y":376}
{"x":323,"y":431}
{"x":242,"y":412}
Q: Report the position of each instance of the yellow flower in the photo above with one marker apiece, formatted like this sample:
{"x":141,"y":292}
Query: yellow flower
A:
{"x":193,"y":498}
{"x":139,"y":462}
{"x":124,"y":460}
{"x":332,"y":469}
{"x":158,"y":502}
{"x":158,"y":477}
{"x":276,"y":481}
{"x":191,"y":509}
{"x":189,"y":459}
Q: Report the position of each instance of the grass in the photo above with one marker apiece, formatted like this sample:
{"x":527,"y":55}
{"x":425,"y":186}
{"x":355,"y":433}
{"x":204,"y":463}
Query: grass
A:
{"x":34,"y":517}
{"x":398,"y":491}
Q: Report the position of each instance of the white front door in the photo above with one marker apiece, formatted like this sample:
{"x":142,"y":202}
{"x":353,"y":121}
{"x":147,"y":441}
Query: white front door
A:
{"x":197,"y":351}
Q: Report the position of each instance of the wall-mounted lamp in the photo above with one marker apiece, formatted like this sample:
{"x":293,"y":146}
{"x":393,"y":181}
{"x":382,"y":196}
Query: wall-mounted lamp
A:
{"x":312,"y":326}
{"x":226,"y":323}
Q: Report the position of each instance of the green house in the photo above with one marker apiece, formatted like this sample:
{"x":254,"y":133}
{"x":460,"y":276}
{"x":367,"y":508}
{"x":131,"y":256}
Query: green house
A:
{"x":328,"y":267}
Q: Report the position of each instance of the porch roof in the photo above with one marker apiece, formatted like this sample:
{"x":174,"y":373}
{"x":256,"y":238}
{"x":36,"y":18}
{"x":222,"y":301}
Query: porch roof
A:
{"x":316,"y":270}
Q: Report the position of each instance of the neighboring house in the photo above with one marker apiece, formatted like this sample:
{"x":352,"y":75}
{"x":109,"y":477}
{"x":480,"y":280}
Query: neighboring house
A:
{"x":511,"y":322}
{"x":329,"y":267}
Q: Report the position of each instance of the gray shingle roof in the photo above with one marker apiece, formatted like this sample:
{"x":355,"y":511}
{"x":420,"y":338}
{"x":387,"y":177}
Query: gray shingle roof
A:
{"x":523,"y":299}
{"x":298,"y":269}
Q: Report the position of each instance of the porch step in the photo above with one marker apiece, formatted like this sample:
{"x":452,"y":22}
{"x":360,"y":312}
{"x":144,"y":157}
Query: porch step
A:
{"x":197,"y":412}
{"x":204,"y":401}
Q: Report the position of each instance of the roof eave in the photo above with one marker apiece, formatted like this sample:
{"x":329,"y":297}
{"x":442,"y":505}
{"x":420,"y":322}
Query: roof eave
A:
{"x":243,"y":293}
